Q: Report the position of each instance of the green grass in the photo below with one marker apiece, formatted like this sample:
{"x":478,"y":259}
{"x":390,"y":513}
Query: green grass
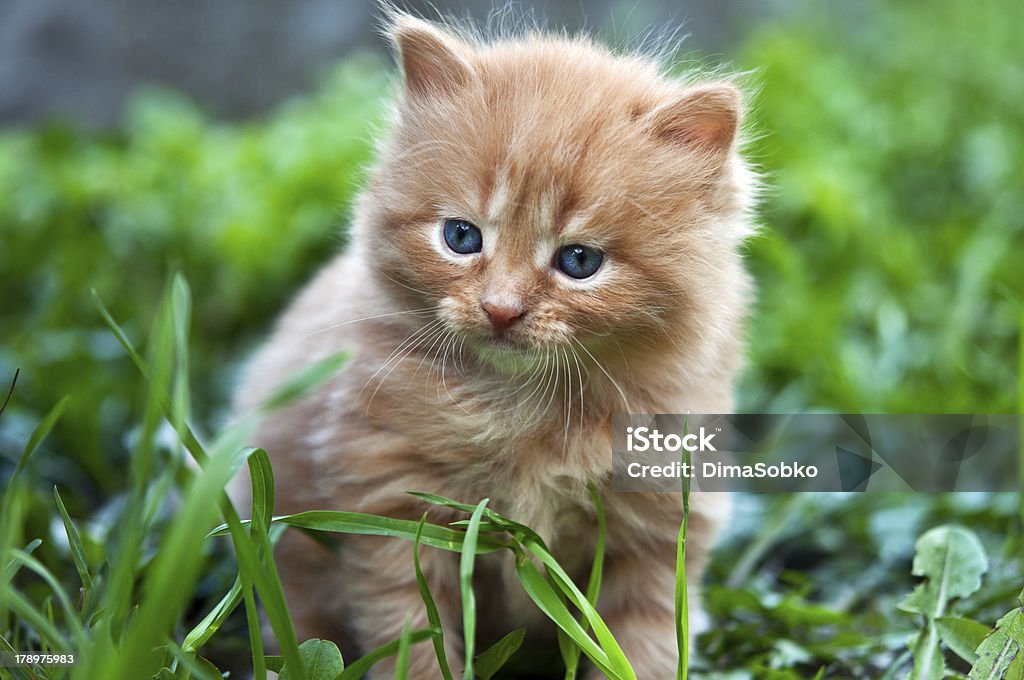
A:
{"x":132,"y":602}
{"x":130,"y":613}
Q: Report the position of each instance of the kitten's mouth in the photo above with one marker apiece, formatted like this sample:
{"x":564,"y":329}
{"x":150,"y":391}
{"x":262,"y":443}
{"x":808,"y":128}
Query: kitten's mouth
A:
{"x":506,"y":352}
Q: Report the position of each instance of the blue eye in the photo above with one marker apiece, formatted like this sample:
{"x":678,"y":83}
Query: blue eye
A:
{"x":579,"y":262}
{"x":462,"y":237}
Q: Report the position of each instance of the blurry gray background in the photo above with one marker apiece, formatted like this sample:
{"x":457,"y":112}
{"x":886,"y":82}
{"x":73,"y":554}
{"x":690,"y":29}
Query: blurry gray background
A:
{"x":78,"y":59}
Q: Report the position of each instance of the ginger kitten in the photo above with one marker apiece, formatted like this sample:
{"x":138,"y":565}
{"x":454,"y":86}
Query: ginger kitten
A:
{"x":549,"y":237}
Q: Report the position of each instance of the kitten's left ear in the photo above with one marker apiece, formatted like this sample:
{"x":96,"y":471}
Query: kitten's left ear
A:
{"x":433,"y":62}
{"x":704,"y":118}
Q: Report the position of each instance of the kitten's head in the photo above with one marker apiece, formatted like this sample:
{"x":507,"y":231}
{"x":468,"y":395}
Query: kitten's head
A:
{"x":543,"y":192}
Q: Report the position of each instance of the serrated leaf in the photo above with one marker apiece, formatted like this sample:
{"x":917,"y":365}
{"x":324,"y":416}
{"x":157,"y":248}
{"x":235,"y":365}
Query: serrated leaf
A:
{"x":999,"y":653}
{"x":951,"y":560}
{"x":321,"y":659}
{"x":494,"y":657}
{"x":961,"y":635}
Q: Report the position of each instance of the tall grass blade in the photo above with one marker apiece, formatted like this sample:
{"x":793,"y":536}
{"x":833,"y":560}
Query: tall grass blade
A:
{"x":359,"y":523}
{"x":75,"y":545}
{"x":211,"y":623}
{"x":570,"y":652}
{"x":616,"y":658}
{"x":306,"y":380}
{"x":38,"y":435}
{"x":433,"y":617}
{"x":682,"y":605}
{"x":261,"y":570}
{"x":466,"y":563}
{"x":175,"y":569}
{"x":549,"y":602}
{"x":402,"y":660}
{"x":70,"y":615}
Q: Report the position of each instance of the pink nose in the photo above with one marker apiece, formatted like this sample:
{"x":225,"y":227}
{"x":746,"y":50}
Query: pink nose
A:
{"x":502,"y":316}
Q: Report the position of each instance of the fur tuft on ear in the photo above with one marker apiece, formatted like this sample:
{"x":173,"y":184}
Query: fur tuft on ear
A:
{"x":704,"y":117}
{"x":432,"y":61}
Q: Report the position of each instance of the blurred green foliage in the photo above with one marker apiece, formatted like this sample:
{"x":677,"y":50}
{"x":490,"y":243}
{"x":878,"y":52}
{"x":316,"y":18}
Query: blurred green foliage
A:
{"x":247,"y":211}
{"x":890,"y":266}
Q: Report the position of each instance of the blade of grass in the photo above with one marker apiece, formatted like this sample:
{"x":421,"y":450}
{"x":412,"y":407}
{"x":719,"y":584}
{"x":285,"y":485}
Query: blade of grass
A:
{"x":597,"y":566}
{"x":402,"y":660}
{"x":682,"y":607}
{"x":196,"y":666}
{"x":466,"y":563}
{"x":306,"y":380}
{"x":133,"y":528}
{"x":360,"y":666}
{"x":262,"y":484}
{"x":533,"y":543}
{"x":358,"y":523}
{"x":428,"y":602}
{"x":548,"y":601}
{"x":497,"y":655}
{"x":267,"y":582}
{"x":29,"y":614}
{"x":211,"y":623}
{"x":174,"y":569}
{"x":70,"y":615}
{"x":252,"y":622}
{"x":16,"y":672}
{"x":497,"y":520}
{"x":267,"y":585}
{"x":570,"y":652}
{"x":75,"y":545}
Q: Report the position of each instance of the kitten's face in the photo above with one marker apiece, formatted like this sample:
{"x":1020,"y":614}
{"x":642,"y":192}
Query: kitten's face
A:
{"x":546,"y":194}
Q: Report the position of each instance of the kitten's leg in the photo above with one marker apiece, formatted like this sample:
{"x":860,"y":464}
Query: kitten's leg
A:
{"x":380,"y":588}
{"x":637,"y":598}
{"x":637,"y":603}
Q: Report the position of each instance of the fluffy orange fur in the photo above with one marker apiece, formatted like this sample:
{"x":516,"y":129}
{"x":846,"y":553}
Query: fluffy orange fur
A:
{"x":540,"y":141}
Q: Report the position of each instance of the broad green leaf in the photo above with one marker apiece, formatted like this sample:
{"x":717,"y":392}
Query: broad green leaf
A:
{"x":961,"y":635}
{"x":952,"y":561}
{"x":321,"y":660}
{"x":494,"y":657}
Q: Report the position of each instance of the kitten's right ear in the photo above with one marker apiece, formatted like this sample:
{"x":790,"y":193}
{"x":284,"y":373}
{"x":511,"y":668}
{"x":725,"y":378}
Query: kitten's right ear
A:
{"x":433,"y":62}
{"x":705,"y":118}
